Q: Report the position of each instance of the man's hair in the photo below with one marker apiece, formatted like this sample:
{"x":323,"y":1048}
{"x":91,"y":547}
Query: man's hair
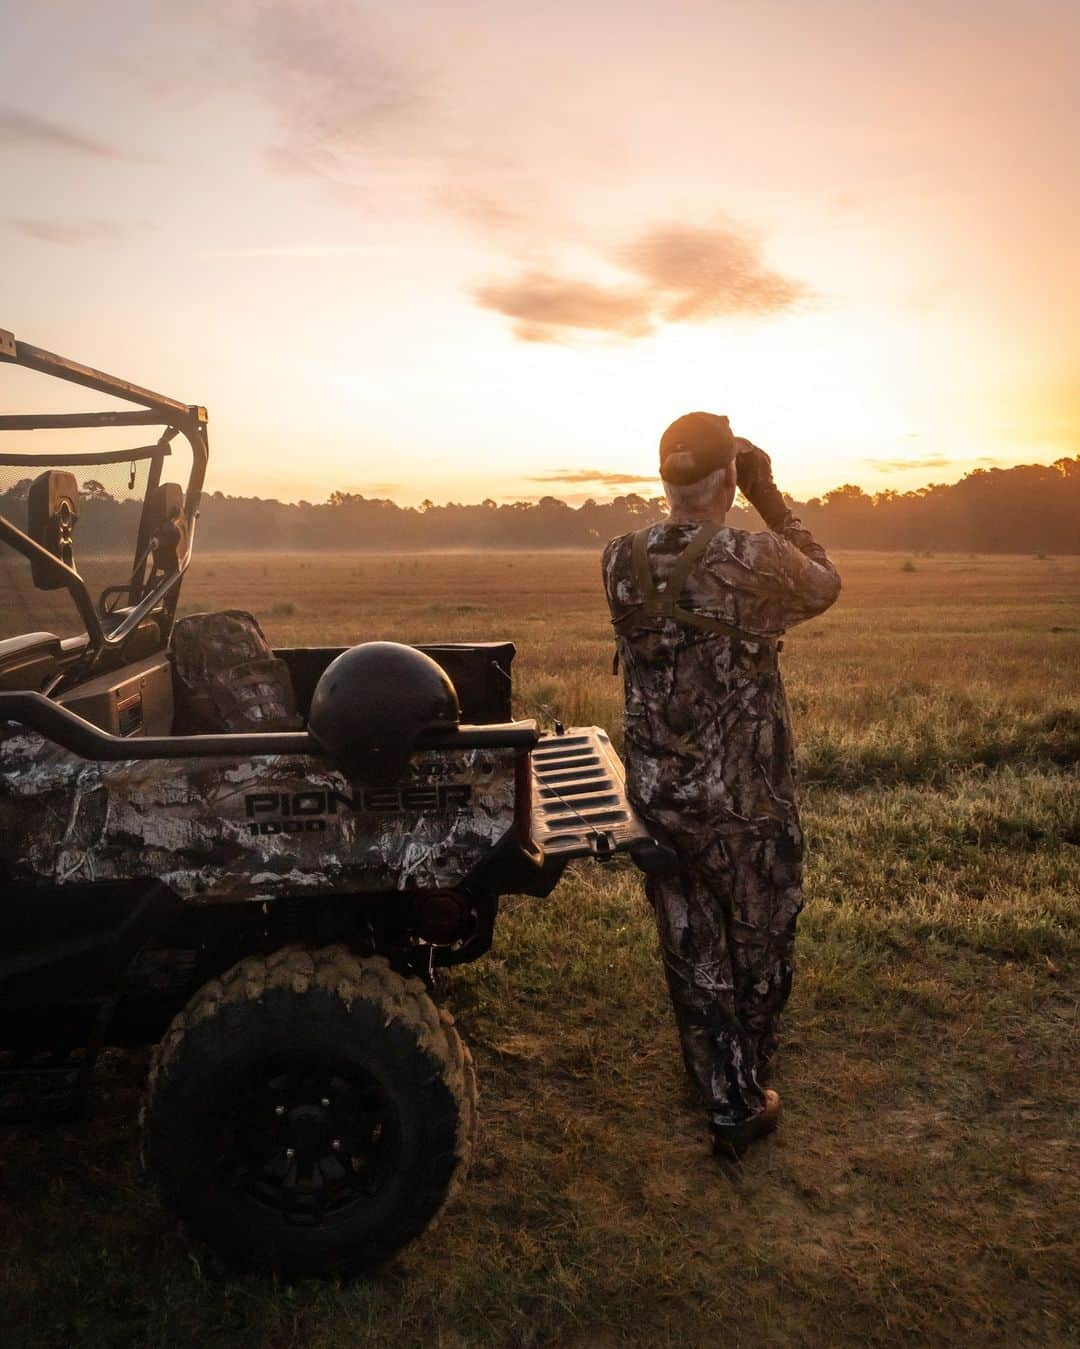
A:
{"x":696,"y":496}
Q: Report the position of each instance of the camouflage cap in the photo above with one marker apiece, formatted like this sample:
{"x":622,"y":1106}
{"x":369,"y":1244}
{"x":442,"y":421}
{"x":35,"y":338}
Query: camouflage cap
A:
{"x":694,"y":446}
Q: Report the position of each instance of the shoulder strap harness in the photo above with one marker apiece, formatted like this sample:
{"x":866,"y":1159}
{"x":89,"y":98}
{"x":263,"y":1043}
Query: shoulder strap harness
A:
{"x":657,"y":603}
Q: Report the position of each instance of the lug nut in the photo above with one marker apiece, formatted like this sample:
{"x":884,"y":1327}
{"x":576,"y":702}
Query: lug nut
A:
{"x":290,"y":1153}
{"x":279,"y":1110}
{"x":336,"y":1145}
{"x":325,"y":1102}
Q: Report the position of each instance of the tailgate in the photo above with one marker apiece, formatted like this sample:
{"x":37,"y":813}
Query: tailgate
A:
{"x":579,"y":797}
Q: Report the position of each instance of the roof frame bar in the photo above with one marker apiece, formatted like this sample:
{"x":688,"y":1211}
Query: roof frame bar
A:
{"x":63,"y":421}
{"x":49,"y":363}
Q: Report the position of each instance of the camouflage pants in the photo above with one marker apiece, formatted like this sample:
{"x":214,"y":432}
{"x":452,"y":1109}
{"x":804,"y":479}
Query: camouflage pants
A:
{"x":726,"y":921}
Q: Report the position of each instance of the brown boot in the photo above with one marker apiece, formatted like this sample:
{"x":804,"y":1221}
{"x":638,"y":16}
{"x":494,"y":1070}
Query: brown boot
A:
{"x":732,"y":1140}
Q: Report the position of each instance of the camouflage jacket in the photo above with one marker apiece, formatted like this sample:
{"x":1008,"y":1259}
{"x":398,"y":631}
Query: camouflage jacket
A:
{"x":708,"y":732}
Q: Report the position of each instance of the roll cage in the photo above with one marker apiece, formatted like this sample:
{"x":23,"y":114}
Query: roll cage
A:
{"x":107,"y":628}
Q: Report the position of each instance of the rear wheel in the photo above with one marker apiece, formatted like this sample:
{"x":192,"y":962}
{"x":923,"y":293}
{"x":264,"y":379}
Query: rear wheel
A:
{"x":310,"y":1112}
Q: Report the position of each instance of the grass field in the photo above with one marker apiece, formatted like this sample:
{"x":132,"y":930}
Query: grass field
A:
{"x":923,"y":1185}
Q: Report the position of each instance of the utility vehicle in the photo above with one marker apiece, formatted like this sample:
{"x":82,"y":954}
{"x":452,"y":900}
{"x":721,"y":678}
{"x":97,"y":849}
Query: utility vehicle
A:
{"x":191,"y":859}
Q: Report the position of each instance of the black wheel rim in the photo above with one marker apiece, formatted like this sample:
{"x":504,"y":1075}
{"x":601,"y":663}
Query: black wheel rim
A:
{"x":311,"y":1141}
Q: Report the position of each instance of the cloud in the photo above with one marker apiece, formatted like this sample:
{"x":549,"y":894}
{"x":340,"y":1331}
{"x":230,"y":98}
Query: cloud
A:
{"x":708,"y":273}
{"x":903,"y":465}
{"x":73,"y":233}
{"x":676,"y":274}
{"x":488,"y":211}
{"x":544,"y":306}
{"x":331,"y":90}
{"x":373,"y":116}
{"x":26,"y":130}
{"x":597,"y":475}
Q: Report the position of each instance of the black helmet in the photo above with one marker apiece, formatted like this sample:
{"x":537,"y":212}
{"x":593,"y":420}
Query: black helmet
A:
{"x":374,"y":701}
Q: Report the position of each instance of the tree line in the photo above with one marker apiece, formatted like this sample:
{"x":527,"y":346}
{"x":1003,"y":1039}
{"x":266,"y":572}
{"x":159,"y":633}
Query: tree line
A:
{"x":1028,"y":509}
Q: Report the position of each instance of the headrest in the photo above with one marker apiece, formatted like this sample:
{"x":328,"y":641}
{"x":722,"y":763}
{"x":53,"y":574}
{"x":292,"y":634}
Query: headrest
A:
{"x":167,"y":525}
{"x":52,"y":508}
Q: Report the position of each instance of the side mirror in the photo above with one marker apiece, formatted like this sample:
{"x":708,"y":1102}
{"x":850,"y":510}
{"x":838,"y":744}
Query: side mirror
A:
{"x":52,"y":509}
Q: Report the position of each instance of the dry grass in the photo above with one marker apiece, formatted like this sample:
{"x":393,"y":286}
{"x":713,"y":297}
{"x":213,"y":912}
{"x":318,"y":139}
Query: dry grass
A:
{"x":922,"y":1188}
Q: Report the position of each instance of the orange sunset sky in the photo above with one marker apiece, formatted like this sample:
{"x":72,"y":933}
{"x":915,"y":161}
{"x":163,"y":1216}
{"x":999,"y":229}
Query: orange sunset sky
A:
{"x":491,"y":249}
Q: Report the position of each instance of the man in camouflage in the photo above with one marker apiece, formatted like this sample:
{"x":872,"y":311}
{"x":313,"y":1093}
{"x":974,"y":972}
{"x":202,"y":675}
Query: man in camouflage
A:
{"x":699,"y":609}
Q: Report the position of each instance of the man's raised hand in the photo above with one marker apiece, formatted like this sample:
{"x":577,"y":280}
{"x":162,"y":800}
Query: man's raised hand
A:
{"x":753,"y":471}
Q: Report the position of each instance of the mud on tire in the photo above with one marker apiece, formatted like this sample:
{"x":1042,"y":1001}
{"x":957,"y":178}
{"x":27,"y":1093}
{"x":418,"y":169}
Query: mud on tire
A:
{"x":309,"y":1112}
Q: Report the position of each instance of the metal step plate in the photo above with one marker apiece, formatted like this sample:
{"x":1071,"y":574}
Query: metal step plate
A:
{"x":579,"y":797}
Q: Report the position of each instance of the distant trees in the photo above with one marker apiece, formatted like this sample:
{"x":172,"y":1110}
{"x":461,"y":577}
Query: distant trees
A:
{"x":1033,"y":508}
{"x":1030,"y":509}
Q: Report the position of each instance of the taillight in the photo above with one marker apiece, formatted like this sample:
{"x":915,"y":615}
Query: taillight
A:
{"x":523,"y":790}
{"x":443,"y":917}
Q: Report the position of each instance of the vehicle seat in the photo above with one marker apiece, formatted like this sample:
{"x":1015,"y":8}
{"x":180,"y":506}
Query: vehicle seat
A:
{"x":227,"y":679}
{"x":27,"y":662}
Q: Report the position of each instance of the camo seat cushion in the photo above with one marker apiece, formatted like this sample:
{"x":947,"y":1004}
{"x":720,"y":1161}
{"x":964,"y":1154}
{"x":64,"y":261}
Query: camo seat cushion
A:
{"x":228,"y":679}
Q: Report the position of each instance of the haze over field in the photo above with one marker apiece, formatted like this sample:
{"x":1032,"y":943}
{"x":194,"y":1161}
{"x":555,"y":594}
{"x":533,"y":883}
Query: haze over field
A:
{"x":413,"y":250}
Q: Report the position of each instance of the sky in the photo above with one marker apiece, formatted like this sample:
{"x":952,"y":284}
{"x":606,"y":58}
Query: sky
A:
{"x":468,"y":250}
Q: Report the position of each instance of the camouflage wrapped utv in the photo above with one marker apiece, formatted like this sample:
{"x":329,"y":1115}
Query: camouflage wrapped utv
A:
{"x":253,"y":859}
